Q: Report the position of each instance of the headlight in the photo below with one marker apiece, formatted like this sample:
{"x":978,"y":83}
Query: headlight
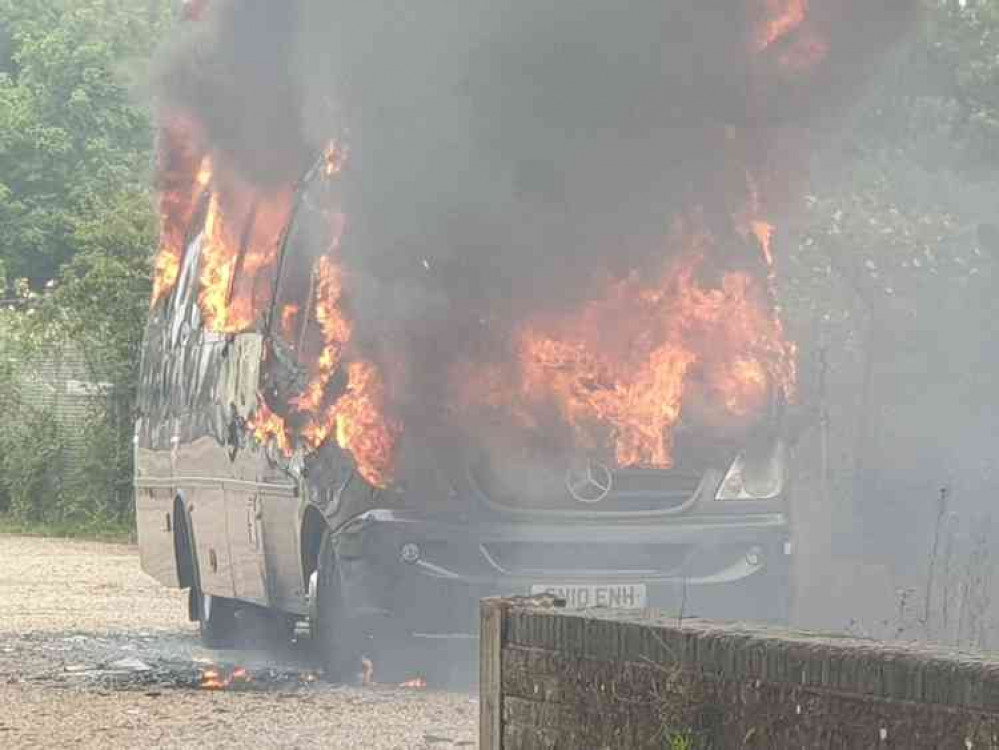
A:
{"x":756,"y":479}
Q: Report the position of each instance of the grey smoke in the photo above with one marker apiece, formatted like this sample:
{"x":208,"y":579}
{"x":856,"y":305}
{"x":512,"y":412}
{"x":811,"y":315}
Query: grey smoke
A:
{"x":506,"y":157}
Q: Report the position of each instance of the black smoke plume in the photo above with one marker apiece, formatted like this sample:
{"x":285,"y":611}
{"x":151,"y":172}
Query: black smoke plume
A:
{"x":508,"y":157}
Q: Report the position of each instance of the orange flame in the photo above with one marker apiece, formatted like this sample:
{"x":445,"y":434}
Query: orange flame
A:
{"x":241,"y":238}
{"x":219,"y":264}
{"x":336,"y":331}
{"x":215,"y":678}
{"x":741,"y":385}
{"x":242,"y":235}
{"x":361,"y":426}
{"x":184,"y":175}
{"x":211,"y":679}
{"x":641,"y":400}
{"x":782,"y":17}
{"x":267,"y":426}
{"x":356,"y":417}
{"x":764,"y":233}
{"x":618,"y":371}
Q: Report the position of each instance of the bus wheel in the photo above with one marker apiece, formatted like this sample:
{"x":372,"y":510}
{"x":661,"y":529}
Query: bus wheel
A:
{"x":216,"y":619}
{"x":336,"y":638}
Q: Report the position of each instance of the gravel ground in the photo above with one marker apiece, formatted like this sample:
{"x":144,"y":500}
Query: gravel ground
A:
{"x":95,"y":654}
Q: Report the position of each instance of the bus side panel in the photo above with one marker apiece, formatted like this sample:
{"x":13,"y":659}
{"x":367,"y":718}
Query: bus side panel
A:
{"x":281,"y":522}
{"x":243,"y":522}
{"x":154,"y":526}
{"x":211,"y":543}
{"x":202,"y":465}
{"x":154,"y":501}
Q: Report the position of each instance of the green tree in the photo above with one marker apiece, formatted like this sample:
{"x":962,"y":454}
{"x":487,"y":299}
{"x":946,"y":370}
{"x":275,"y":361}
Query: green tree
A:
{"x":77,"y":220}
{"x":73,"y":141}
{"x":888,"y":283}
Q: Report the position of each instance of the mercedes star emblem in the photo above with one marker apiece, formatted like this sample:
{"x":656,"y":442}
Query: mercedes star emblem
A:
{"x":590,"y":484}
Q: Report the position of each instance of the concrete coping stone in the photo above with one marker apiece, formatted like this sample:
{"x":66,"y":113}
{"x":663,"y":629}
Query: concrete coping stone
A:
{"x":747,"y":652}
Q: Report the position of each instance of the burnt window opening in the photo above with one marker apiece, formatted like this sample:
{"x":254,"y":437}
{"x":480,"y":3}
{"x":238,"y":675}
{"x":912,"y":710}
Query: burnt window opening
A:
{"x":315,"y":232}
{"x":170,"y":335}
{"x":254,"y":275}
{"x":307,"y":299}
{"x":182,"y":314}
{"x":173,"y":318}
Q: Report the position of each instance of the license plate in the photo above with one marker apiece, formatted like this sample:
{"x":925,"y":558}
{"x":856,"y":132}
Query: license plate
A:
{"x":622,"y":596}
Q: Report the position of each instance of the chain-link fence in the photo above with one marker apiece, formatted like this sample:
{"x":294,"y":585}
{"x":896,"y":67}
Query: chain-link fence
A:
{"x":65,"y":430}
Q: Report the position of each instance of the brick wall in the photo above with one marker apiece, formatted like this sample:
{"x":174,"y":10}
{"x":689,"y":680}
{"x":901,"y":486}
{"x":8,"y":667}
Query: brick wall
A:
{"x":604,"y":679}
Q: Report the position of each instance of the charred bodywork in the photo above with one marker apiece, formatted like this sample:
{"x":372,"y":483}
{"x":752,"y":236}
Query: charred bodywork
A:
{"x":516,"y":330}
{"x":237,"y":513}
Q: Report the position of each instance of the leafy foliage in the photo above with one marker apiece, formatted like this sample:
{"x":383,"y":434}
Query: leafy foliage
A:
{"x":30,"y":445}
{"x":76,"y":215}
{"x":49,"y":472}
{"x":888,"y":283}
{"x":72,"y":139}
{"x":962,"y":57}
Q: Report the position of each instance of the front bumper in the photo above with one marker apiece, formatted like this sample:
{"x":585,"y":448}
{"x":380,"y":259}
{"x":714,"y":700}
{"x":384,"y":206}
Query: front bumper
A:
{"x":426,"y":574}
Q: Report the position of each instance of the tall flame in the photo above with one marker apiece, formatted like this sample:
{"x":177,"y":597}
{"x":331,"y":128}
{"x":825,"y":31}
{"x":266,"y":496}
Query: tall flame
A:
{"x":782,"y":17}
{"x":336,"y":330}
{"x":355,"y":418}
{"x":361,"y":427}
{"x":241,"y":240}
{"x":184,"y":174}
{"x":780,"y":20}
{"x":242,"y":235}
{"x":618,"y":371}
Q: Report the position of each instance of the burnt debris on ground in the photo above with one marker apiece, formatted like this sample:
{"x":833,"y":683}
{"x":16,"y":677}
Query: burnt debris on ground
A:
{"x":136,"y":674}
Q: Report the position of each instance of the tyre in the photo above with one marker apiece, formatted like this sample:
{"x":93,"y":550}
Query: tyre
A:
{"x":336,"y":638}
{"x":216,"y":620}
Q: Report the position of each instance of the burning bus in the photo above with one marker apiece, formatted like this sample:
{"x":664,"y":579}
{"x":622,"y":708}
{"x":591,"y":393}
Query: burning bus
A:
{"x":491,"y":311}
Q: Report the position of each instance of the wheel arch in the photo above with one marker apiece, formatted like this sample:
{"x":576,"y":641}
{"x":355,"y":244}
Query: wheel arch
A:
{"x":310,"y":540}
{"x":183,"y":544}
